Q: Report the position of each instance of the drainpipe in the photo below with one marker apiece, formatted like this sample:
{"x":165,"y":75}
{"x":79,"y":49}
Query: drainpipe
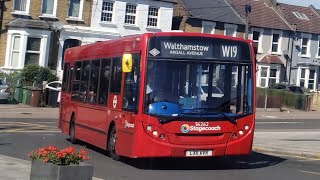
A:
{"x":1,"y":13}
{"x":291,"y":57}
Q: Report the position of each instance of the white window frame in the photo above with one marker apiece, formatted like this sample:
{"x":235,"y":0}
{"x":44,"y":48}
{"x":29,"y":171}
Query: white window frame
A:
{"x":208,"y":23}
{"x":105,"y":11}
{"x":318,"y":52}
{"x":80,"y":12}
{"x":307,"y":77}
{"x":21,"y":12}
{"x":34,"y":52}
{"x":301,"y":15}
{"x":278,"y":68}
{"x":260,"y":49}
{"x":12,"y":50}
{"x":153,"y":17}
{"x":304,"y":35}
{"x":279,"y":52}
{"x":54,"y":13}
{"x":131,"y":14}
{"x":230,"y":26}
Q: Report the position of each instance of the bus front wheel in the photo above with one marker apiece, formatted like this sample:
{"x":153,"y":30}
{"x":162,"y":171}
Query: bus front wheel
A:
{"x":112,"y":144}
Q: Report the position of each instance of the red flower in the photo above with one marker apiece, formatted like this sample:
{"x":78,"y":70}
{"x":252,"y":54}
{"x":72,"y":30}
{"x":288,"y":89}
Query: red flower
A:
{"x":60,"y":157}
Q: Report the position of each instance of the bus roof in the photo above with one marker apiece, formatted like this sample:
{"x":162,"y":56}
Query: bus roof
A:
{"x":131,"y":43}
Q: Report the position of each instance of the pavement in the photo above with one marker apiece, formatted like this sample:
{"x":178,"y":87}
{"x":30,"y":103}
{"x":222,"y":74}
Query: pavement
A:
{"x":292,"y":142}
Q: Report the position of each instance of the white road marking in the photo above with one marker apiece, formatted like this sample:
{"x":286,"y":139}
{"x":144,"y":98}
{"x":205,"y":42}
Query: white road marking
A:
{"x":271,"y":117}
{"x":279,"y":123}
{"x":310,"y":172}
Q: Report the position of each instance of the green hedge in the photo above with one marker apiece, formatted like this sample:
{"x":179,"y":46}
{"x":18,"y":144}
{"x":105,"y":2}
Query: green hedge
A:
{"x":289,"y":99}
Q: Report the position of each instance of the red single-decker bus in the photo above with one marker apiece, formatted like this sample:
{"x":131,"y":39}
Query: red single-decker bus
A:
{"x":167,"y":94}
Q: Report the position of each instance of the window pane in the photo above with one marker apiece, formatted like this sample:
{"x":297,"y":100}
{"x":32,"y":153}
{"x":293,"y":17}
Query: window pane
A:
{"x":256,"y":36}
{"x":94,"y":80}
{"x":302,"y":83}
{"x":15,"y":59}
{"x":74,"y":8}
{"x":104,"y":80}
{"x":116,"y":76}
{"x":153,"y":17}
{"x":312,"y":73}
{"x":274,"y":47}
{"x":275,"y":38}
{"x":33,"y":44}
{"x":20,"y":5}
{"x":207,"y":29}
{"x":47,"y":6}
{"x":230,"y":31}
{"x":31,"y":58}
{"x":107,"y":10}
{"x":16,"y":42}
{"x":131,"y":86}
{"x":130,"y":14}
{"x":264,"y":72}
{"x":263,"y":82}
{"x":303,"y":72}
{"x":272,"y":81}
{"x":273,"y":73}
{"x":305,"y":41}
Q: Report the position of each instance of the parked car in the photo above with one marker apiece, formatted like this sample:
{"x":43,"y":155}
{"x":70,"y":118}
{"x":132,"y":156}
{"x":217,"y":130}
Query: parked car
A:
{"x":216,"y":92}
{"x":291,"y":88}
{"x":4,"y":94}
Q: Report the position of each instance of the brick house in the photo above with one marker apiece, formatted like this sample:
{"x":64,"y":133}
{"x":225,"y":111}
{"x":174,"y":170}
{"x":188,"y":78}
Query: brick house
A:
{"x":39,"y":31}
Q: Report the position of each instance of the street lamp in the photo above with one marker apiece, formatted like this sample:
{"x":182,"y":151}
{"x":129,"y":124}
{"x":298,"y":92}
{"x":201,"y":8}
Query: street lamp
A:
{"x":247,"y":9}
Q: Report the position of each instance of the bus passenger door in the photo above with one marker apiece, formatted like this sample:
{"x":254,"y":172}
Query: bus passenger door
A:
{"x":129,"y":108}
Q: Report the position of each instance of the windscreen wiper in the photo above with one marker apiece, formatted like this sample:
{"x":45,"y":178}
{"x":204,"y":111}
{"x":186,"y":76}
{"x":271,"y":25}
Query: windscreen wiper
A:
{"x":207,"y":111}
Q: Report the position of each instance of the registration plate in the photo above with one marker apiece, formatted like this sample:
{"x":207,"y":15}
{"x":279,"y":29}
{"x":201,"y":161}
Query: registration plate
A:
{"x":197,"y":153}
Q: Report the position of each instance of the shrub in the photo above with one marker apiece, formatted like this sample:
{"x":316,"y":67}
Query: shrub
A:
{"x":35,"y":74}
{"x":289,"y":99}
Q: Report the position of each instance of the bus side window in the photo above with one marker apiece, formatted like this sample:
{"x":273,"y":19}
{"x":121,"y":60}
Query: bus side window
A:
{"x":94,"y":77}
{"x":104,"y":81}
{"x":116,"y":76}
{"x":131,"y":86}
{"x":76,"y":81}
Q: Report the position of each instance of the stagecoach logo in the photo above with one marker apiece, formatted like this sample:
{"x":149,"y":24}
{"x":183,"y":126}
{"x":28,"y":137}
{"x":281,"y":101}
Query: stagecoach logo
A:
{"x":199,"y":127}
{"x":128,"y":125}
{"x":185,"y":128}
{"x":154,"y":52}
{"x":115,"y":101}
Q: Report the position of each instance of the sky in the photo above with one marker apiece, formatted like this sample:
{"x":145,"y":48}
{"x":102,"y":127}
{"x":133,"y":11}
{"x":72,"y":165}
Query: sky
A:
{"x":315,"y":3}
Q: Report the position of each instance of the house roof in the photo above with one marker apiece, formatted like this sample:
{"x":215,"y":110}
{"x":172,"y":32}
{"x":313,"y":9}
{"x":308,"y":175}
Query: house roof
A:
{"x":271,"y":59}
{"x":309,"y":25}
{"x":30,"y":23}
{"x":261,"y":14}
{"x":213,"y":10}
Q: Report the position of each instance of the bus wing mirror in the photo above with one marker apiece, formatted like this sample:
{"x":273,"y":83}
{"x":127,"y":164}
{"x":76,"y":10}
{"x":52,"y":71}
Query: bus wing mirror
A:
{"x":127,"y":63}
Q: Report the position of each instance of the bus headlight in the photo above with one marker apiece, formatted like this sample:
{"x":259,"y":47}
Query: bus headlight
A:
{"x":155,"y":132}
{"x":246,"y":127}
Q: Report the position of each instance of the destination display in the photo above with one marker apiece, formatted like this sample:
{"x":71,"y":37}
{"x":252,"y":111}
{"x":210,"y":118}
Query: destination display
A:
{"x":198,"y":48}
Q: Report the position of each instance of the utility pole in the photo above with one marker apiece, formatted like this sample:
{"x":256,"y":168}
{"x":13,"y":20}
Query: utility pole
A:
{"x":247,"y":9}
{"x":292,"y":42}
